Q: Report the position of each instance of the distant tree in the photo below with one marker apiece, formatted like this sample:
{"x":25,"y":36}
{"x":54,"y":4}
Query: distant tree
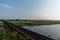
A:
{"x":17,"y":20}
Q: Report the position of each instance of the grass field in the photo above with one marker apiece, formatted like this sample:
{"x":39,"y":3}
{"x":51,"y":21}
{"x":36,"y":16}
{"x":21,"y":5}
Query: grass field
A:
{"x":7,"y":36}
{"x":1,"y":25}
{"x":32,"y":22}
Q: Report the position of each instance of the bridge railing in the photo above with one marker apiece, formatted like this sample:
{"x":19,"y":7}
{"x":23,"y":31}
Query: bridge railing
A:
{"x":13,"y":29}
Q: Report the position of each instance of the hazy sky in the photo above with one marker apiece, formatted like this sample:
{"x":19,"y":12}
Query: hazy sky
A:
{"x":30,"y":9}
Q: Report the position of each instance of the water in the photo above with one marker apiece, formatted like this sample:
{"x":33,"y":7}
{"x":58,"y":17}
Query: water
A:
{"x":53,"y":30}
{"x":1,"y":28}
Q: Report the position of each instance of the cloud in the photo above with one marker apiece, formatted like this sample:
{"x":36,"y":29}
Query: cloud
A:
{"x":6,"y":6}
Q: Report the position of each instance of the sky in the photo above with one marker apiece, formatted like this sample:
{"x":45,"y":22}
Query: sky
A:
{"x":30,"y":9}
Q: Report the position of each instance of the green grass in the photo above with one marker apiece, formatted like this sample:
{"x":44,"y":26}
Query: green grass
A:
{"x":7,"y":36}
{"x":34,"y":22}
{"x":1,"y":25}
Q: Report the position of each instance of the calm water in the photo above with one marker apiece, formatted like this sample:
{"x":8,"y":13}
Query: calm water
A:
{"x":53,"y":30}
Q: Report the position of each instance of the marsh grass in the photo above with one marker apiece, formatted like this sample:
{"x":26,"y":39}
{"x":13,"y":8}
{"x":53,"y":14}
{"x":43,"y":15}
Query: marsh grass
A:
{"x":7,"y":36}
{"x":34,"y":22}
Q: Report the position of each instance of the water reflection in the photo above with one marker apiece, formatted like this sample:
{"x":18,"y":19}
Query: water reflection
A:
{"x":52,"y":31}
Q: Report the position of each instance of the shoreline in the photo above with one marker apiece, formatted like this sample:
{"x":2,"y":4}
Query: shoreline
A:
{"x":32,"y":23}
